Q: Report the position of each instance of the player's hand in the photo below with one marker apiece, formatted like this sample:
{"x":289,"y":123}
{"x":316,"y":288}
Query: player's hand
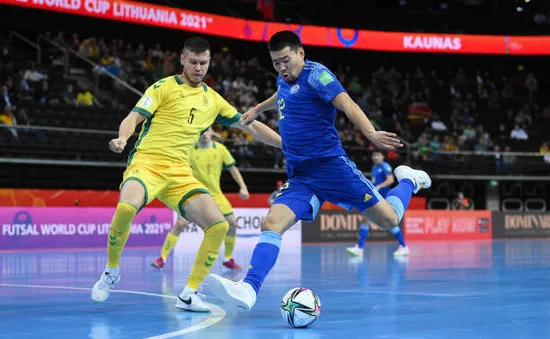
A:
{"x":249,"y":116}
{"x":243,"y":193}
{"x":385,"y":140}
{"x":117,"y":145}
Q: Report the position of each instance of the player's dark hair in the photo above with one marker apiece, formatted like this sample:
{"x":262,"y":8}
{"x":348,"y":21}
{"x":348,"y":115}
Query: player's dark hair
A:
{"x":196,"y":44}
{"x":283,"y":39}
{"x":379,"y":150}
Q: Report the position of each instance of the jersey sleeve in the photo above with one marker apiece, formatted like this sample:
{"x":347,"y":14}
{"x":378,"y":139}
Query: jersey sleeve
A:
{"x":227,"y":114}
{"x":228,"y":160}
{"x":386,"y":168}
{"x":151,"y":100}
{"x":323,"y":82}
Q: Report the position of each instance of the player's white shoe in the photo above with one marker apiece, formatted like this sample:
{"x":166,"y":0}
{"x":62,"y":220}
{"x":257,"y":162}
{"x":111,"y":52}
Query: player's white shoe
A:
{"x":189,"y":300}
{"x":237,"y":293}
{"x":355,"y":251}
{"x":102,"y":288}
{"x":419,"y":178}
{"x":402,"y":251}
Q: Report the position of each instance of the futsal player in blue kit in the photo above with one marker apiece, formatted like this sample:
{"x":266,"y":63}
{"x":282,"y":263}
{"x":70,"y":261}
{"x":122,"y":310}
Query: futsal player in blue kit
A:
{"x":382,"y":179}
{"x":318,"y":168}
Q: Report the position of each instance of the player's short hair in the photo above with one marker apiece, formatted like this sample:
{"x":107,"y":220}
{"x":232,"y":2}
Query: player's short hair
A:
{"x":379,"y":150}
{"x":283,"y":39}
{"x":196,"y":44}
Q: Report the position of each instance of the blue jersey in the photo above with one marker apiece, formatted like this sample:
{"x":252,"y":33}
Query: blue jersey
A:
{"x":379,"y":174}
{"x":306,"y":115}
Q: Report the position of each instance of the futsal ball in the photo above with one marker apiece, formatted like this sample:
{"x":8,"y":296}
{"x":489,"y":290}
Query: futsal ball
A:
{"x":300,"y":307}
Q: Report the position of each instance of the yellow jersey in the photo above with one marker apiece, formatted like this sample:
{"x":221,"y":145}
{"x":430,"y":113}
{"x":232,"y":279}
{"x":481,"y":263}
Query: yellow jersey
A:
{"x":207,"y":165}
{"x":177,"y":114}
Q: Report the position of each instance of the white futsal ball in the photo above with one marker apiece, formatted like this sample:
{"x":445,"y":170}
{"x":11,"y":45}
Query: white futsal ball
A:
{"x":300,"y":307}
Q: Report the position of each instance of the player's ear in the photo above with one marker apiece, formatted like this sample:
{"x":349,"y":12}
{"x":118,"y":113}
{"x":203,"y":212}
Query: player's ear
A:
{"x":301,"y":52}
{"x":182,"y":58}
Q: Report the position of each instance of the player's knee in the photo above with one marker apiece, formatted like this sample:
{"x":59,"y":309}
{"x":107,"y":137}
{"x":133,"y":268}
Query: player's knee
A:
{"x":179,"y":226}
{"x":218,"y":229}
{"x":388,"y":221}
{"x":232,"y":230}
{"x":271,"y":223}
{"x":126,"y":209}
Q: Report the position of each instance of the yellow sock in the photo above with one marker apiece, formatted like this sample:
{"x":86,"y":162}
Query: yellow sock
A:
{"x":119,"y":232}
{"x":229,"y":246}
{"x":208,"y":253}
{"x":169,"y":242}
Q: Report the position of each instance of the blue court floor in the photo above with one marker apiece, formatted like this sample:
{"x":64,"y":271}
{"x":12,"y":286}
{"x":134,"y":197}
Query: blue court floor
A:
{"x":445,"y":290}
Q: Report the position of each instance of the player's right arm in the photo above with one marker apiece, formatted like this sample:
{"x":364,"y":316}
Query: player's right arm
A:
{"x":145,"y":108}
{"x":253,"y":113}
{"x":126,"y":129}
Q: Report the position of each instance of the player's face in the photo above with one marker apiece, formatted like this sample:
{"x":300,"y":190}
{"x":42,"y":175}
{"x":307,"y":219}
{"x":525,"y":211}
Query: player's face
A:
{"x":288,"y":62}
{"x":206,"y":136}
{"x":377,"y":157}
{"x":195,"y":66}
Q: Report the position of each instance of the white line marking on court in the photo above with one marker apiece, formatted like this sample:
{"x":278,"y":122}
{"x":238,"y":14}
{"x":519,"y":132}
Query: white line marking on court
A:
{"x":216,"y":315}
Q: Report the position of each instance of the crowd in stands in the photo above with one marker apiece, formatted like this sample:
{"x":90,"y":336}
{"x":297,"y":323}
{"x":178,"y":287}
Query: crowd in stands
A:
{"x":435,"y":110}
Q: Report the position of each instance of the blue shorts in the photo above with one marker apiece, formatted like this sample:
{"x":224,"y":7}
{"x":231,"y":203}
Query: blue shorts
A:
{"x":336,"y":179}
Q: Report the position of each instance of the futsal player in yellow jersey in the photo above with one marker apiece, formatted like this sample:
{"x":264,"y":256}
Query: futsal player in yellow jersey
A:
{"x":207,"y":160}
{"x":176,"y":110}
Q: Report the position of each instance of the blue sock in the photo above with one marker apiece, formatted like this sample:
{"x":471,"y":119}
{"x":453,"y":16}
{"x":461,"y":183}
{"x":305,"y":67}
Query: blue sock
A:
{"x":398,"y":235}
{"x":263,"y":258}
{"x":399,"y":198}
{"x":363,"y":235}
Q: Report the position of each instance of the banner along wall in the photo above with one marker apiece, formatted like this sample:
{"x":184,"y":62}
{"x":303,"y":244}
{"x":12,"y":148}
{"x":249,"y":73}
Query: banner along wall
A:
{"x":181,"y":19}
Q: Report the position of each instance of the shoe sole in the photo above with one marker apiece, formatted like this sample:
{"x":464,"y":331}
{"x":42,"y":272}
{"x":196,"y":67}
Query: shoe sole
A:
{"x":183,"y":308}
{"x":219,"y":290}
{"x":352,"y":253}
{"x":157,"y":266}
{"x":401,"y":254}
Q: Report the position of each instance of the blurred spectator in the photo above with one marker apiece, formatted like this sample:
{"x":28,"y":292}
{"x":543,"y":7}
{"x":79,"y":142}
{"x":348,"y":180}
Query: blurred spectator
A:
{"x":461,"y":203}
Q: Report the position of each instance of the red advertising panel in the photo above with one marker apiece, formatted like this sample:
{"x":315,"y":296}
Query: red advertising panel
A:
{"x":447,"y":225}
{"x":154,"y":15}
{"x":93,"y":198}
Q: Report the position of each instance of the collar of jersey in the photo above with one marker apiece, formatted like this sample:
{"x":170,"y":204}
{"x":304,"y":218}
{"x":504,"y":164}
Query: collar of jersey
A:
{"x":179,"y":82}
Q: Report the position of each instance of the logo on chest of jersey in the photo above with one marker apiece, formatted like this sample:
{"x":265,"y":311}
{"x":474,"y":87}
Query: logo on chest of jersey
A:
{"x":294,"y":89}
{"x":205,"y":100}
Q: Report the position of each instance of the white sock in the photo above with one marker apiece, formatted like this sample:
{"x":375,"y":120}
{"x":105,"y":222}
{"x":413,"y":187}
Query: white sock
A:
{"x":112,"y":271}
{"x":187,"y":290}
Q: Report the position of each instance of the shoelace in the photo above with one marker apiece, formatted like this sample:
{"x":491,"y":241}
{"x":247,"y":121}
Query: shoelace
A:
{"x":107,"y":280}
{"x":200,"y":295}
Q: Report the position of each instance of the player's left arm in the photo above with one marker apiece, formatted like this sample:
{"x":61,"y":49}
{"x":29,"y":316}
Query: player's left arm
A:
{"x":344,"y":103}
{"x":329,"y":89}
{"x":261,"y":132}
{"x":236,"y":174}
{"x":230,"y":163}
